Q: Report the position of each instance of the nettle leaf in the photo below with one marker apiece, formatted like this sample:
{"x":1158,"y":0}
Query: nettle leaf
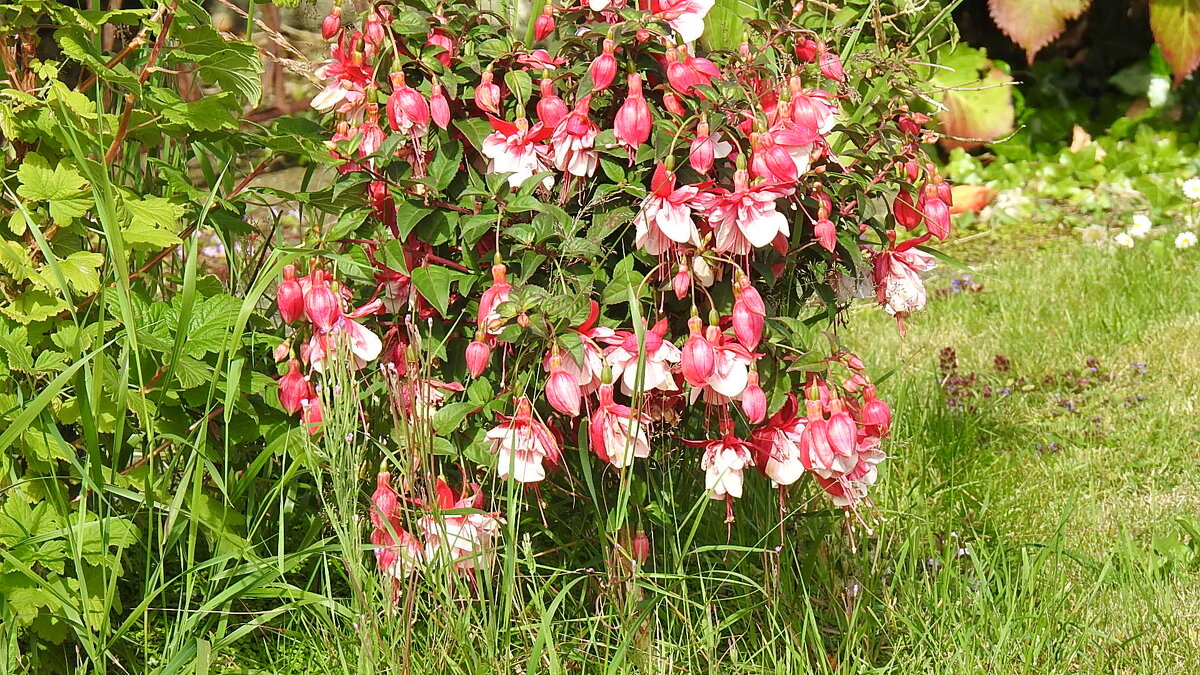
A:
{"x":34,"y":305}
{"x":1176,"y":27}
{"x":16,"y":348}
{"x":1033,"y":24}
{"x":15,"y":260}
{"x":77,"y":45}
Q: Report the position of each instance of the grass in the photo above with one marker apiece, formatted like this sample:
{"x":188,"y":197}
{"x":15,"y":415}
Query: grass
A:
{"x":1040,"y":530}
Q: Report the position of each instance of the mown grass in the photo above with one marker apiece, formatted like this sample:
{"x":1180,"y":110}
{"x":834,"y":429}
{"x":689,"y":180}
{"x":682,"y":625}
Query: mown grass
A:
{"x":1015,"y":532}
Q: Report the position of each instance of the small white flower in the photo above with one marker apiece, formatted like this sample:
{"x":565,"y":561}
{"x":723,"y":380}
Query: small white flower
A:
{"x":1123,"y":240}
{"x":1141,"y":226}
{"x":1191,"y":189}
{"x":1158,"y":91}
{"x":1185,"y":240}
{"x":1094,"y":234}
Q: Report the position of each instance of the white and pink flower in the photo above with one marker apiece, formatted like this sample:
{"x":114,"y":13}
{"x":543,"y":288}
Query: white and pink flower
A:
{"x":665,"y":219}
{"x":746,"y":218}
{"x":617,"y":435}
{"x":523,"y":445}
{"x":517,"y":149}
{"x":661,"y":358}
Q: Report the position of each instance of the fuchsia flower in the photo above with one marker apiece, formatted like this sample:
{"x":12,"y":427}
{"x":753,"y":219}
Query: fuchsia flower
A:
{"x":745,"y":218}
{"x":906,"y":213}
{"x":544,"y":25}
{"x":321,"y":304}
{"x":478,"y":355}
{"x":685,"y":72}
{"x":364,"y":345}
{"x":661,"y":357}
{"x":487,"y":94}
{"x":290,"y":296}
{"x":723,"y":462}
{"x":294,"y":389}
{"x":604,"y":69}
{"x":934,"y":205}
{"x":665,"y":219}
{"x":441,"y":39}
{"x":574,"y":141}
{"x":522,"y":443}
{"x":486,"y":317}
{"x":898,"y":284}
{"x":831,"y":66}
{"x":686,"y":17}
{"x":516,"y":149}
{"x":731,"y":369}
{"x":397,"y":552}
{"x":407,"y":110}
{"x":439,"y":107}
{"x":371,"y":135}
{"x":588,"y":373}
{"x":812,"y":111}
{"x":540,"y":59}
{"x":849,"y":488}
{"x":682,"y":281}
{"x":550,"y":108}
{"x":462,"y":539}
{"x":876,"y":415}
{"x":749,"y":313}
{"x":563,"y":391}
{"x":617,"y":435}
{"x":778,"y":445}
{"x":698,"y":358}
{"x":772,"y":162}
{"x":754,"y":400}
{"x":632,"y":124}
{"x":347,"y":75}
{"x":332,"y":24}
{"x":806,"y":50}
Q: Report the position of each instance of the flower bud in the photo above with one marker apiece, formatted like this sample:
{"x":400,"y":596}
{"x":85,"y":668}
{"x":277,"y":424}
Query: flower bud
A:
{"x":673,"y":104}
{"x":487,"y":94}
{"x":826,"y":234}
{"x":562,"y":392}
{"x":332,"y":25}
{"x":841,"y":430}
{"x":937,"y":218}
{"x":544,"y":25}
{"x":321,"y":306}
{"x":293,"y":388}
{"x":831,"y":66}
{"x":439,"y":107}
{"x":754,"y":401}
{"x":641,"y":547}
{"x":478,"y":355}
{"x":550,"y":108}
{"x":905,"y":212}
{"x":604,"y":69}
{"x":875,"y":413}
{"x":632,"y":124}
{"x":290,"y":296}
{"x":747,"y":325}
{"x":703,"y":151}
{"x":281,"y":352}
{"x":682,"y":281}
{"x":698,"y":358}
{"x":806,"y":50}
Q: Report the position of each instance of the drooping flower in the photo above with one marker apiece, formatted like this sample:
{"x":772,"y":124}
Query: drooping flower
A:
{"x":898,"y":284}
{"x":550,"y":108}
{"x":731,"y":369}
{"x":464,"y":540}
{"x":478,"y":354}
{"x":370,"y":134}
{"x":665,"y":218}
{"x":516,"y":149}
{"x":849,"y":488}
{"x":294,"y":388}
{"x":617,"y":435}
{"x":363,"y":344}
{"x":439,"y":106}
{"x":562,"y":388}
{"x":749,"y":313}
{"x":407,"y":109}
{"x":831,"y":66}
{"x":723,"y":462}
{"x":347,"y":76}
{"x":686,"y":17}
{"x":875,"y":413}
{"x":486,"y":317}
{"x":746,"y":218}
{"x":544,"y":25}
{"x":487,"y":94}
{"x":778,"y":445}
{"x":321,"y":304}
{"x":632,"y":123}
{"x":754,"y":400}
{"x":290,"y":296}
{"x":623,"y":357}
{"x":440,"y":38}
{"x":540,"y":59}
{"x":397,"y":552}
{"x":587,"y":372}
{"x":698,"y":357}
{"x":574,"y":141}
{"x":332,"y":25}
{"x":523,"y":445}
{"x":604,"y":69}
{"x":685,"y":72}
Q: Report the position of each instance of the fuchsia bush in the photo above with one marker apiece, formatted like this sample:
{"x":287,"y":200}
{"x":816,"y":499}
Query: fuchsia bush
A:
{"x":606,"y":237}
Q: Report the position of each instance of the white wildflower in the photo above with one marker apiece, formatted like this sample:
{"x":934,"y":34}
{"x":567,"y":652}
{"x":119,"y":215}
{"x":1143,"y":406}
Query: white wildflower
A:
{"x":1191,"y":189}
{"x":1185,"y":240}
{"x":1124,"y":240}
{"x":1141,"y":226}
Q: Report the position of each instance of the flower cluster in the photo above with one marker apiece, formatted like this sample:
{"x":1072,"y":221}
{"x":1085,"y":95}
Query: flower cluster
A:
{"x":745,"y":213}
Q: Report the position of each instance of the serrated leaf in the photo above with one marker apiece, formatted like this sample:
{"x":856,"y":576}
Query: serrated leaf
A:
{"x":33,"y":305}
{"x":40,"y":183}
{"x":17,"y":350}
{"x":82,"y":270}
{"x":1176,"y":27}
{"x":148,"y":237}
{"x":211,"y":113}
{"x":14,"y":259}
{"x":1033,"y":24}
{"x":233,"y":65}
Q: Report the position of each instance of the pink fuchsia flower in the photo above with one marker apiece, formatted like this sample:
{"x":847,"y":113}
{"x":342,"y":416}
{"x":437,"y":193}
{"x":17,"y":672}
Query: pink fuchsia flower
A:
{"x":407,"y":109}
{"x":486,"y":317}
{"x":848,"y":489}
{"x":906,"y":213}
{"x":294,"y":389}
{"x":321,"y":303}
{"x":731,"y":369}
{"x":682,"y":281}
{"x":770,"y":161}
{"x":814,"y":112}
{"x":604,"y":69}
{"x":540,"y":59}
{"x":574,"y":140}
{"x":660,"y":359}
{"x":332,"y":25}
{"x":439,"y":106}
{"x":831,"y":66}
{"x":464,"y":540}
{"x":290,"y":296}
{"x":749,"y":314}
{"x":685,"y":17}
{"x":817,"y":450}
{"x":898,"y":284}
{"x":550,"y":108}
{"x":370,"y":134}
{"x":698,"y":357}
{"x":778,"y":445}
{"x":587,"y":373}
{"x":632,"y":124}
{"x":544,"y":25}
{"x":397,"y":552}
{"x":478,"y":354}
{"x":347,"y":76}
{"x":875,"y":414}
{"x":706,"y":148}
{"x":665,"y":219}
{"x":754,"y":400}
{"x":617,"y":435}
{"x":440,"y":38}
{"x":562,"y":388}
{"x":723,"y":462}
{"x":934,"y":209}
{"x":516,"y":149}
{"x":363,"y":344}
{"x":685,"y":72}
{"x":522,"y":444}
{"x":806,"y":50}
{"x":487,"y":94}
{"x":746,"y":218}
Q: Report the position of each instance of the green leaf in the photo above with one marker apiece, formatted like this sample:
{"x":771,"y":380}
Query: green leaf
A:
{"x":34,"y":305}
{"x":147,"y":237}
{"x":449,"y":416}
{"x":433,"y":283}
{"x":14,"y":259}
{"x":16,"y":347}
{"x":82,"y":270}
{"x":1033,"y":24}
{"x":234,"y":66}
{"x":1176,"y":27}
{"x":153,"y":222}
{"x":40,"y":183}
{"x":475,"y":129}
{"x":210,"y":113}
{"x":407,"y":217}
{"x":519,"y":83}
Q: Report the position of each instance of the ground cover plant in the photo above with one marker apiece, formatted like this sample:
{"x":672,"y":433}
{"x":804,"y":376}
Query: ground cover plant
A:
{"x":574,"y":349}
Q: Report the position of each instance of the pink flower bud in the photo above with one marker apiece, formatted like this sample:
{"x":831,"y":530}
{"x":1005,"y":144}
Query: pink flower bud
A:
{"x":641,"y":35}
{"x":831,"y":66}
{"x":385,"y":501}
{"x":842,"y":432}
{"x":550,"y":108}
{"x":673,"y":104}
{"x":562,"y":391}
{"x":406,"y":107}
{"x":944,"y":191}
{"x":604,"y":69}
{"x":749,"y":295}
{"x":905,"y":212}
{"x":544,"y":25}
{"x":439,"y":107}
{"x":806,"y":50}
{"x":487,"y":94}
{"x":332,"y":25}
{"x":682,"y":281}
{"x":875,"y":413}
{"x":754,"y":401}
{"x":747,"y":325}
{"x":632,"y":124}
{"x":703,"y":150}
{"x":641,"y":547}
{"x":478,"y":355}
{"x":281,"y":352}
{"x":373,"y":31}
{"x":937,"y":218}
{"x":321,"y":305}
{"x":290,"y":296}
{"x":826,"y":233}
{"x":293,"y":388}
{"x":439,"y":38}
{"x":698,"y":359}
